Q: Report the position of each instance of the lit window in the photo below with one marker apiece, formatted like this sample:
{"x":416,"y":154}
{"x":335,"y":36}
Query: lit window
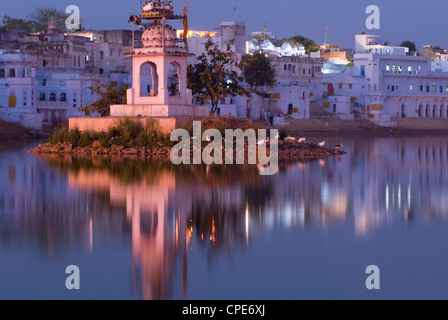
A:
{"x":409,"y":69}
{"x":410,"y":87}
{"x":387,"y":68}
{"x":399,"y":69}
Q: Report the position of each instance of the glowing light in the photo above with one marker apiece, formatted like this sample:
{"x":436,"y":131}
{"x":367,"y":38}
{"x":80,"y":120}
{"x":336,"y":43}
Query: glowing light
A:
{"x":409,"y":196}
{"x":387,"y":197}
{"x":247,"y":223}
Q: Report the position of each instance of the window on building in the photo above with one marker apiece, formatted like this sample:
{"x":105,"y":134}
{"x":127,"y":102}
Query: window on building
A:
{"x":387,"y":68}
{"x":111,"y":52}
{"x":350,"y":86}
{"x":52,"y":96}
{"x":25,"y":97}
{"x":12,"y":73}
{"x":2,"y":73}
{"x":394,"y":69}
{"x":44,"y":83}
{"x":101,"y":70}
{"x":399,"y":69}
{"x":421,"y":88}
{"x":410,"y":87}
{"x":63,"y":97}
{"x":340,"y":86}
{"x":101,"y":55}
{"x":393,"y":88}
{"x":427,"y":88}
{"x":363,"y":70}
{"x":41,"y":96}
{"x":409,"y":69}
{"x":304,"y":71}
{"x":434,"y":87}
{"x":441,"y":89}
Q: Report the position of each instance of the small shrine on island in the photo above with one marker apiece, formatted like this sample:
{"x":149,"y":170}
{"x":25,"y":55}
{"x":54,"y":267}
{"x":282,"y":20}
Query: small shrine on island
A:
{"x":159,"y":76}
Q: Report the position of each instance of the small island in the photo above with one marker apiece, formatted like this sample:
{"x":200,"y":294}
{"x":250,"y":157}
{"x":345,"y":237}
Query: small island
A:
{"x":128,"y":139}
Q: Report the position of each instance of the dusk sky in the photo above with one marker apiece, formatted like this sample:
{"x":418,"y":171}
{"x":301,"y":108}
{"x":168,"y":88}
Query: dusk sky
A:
{"x":423,"y":22}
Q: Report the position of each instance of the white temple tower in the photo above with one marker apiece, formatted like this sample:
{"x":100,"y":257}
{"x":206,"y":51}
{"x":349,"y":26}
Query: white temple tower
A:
{"x":159,"y":77}
{"x":159,"y":70}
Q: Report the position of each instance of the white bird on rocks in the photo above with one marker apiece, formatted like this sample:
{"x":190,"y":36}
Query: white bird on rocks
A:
{"x":301,"y":140}
{"x":321,"y":144}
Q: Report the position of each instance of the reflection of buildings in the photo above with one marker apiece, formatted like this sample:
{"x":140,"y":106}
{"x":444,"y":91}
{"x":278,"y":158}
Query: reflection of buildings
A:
{"x":37,"y":207}
{"x":163,"y":213}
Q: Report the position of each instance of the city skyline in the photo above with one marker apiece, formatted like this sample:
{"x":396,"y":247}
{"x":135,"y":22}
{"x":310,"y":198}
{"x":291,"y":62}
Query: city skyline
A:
{"x":344,"y":19}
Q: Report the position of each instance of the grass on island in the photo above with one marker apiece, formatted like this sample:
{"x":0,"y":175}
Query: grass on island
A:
{"x":126,"y":132}
{"x":130,"y":134}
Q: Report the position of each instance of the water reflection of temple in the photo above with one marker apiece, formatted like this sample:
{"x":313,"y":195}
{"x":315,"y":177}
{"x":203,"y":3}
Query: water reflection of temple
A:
{"x":157,"y":212}
{"x":165,"y":211}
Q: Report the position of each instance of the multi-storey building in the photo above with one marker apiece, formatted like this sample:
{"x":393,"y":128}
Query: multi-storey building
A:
{"x":386,"y":83}
{"x":45,"y":77}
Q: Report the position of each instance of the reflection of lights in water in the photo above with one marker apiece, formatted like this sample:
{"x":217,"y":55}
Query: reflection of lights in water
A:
{"x":212,"y":236}
{"x":247,"y":222}
{"x":409,"y":196}
{"x":91,"y":234}
{"x":325,"y":193}
{"x":387,"y":197}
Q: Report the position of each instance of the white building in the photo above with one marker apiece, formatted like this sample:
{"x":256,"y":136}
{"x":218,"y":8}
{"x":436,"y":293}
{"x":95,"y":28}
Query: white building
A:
{"x":299,"y":77}
{"x":45,"y":77}
{"x":388,"y":85}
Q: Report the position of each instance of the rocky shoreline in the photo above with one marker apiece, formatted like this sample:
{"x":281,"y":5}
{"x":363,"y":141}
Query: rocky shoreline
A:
{"x":287,"y":151}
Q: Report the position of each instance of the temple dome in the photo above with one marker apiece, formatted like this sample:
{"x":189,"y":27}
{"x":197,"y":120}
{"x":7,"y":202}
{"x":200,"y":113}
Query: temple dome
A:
{"x":152,"y":37}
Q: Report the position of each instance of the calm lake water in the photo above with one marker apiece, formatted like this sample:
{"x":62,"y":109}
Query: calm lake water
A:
{"x":149,"y":230}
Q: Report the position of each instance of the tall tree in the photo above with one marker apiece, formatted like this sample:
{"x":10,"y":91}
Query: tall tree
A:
{"x":37,"y":21}
{"x":258,"y":71}
{"x":42,"y":15}
{"x":109,"y":95}
{"x":17,"y":24}
{"x":213,"y":79}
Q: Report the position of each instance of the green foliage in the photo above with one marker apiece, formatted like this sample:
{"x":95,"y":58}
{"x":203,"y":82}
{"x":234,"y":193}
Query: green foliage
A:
{"x":17,"y":24}
{"x":109,"y":95}
{"x":282,"y":133}
{"x":258,"y":71}
{"x":37,"y":21}
{"x":310,"y":45}
{"x":409,"y":44}
{"x":42,"y":15}
{"x":215,"y":77}
{"x":126,"y":132}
